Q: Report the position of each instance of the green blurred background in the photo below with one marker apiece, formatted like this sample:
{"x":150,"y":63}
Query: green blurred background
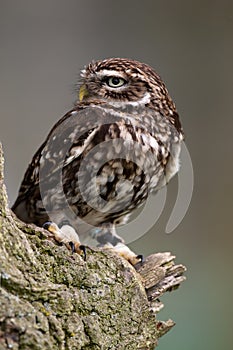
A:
{"x":43,"y":46}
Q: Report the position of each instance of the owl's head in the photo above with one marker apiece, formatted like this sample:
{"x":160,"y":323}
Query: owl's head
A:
{"x":121,"y":80}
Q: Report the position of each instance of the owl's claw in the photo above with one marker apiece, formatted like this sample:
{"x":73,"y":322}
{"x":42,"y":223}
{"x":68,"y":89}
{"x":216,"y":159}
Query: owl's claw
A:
{"x":83,"y":248}
{"x":67,"y":235}
{"x":140,"y":258}
{"x":72,"y":246}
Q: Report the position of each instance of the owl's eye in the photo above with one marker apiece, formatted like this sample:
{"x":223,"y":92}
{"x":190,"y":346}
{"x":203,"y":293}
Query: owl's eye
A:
{"x":115,"y":82}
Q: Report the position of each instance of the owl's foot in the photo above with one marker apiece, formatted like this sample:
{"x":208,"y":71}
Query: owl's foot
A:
{"x":124,"y":251}
{"x":66,"y":235}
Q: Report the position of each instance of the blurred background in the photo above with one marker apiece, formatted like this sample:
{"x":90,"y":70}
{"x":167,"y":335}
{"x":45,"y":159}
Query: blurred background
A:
{"x":44,"y":44}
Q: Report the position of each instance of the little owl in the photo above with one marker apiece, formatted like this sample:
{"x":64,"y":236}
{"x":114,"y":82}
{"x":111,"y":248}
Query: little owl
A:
{"x":100,"y":161}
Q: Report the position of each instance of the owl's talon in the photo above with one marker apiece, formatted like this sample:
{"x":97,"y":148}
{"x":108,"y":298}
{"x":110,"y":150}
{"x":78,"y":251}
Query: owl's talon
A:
{"x":72,"y":246}
{"x":140,"y":257}
{"x":83,"y":248}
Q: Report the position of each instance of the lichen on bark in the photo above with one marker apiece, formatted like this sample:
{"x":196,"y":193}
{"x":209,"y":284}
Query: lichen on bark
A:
{"x":51,"y":299}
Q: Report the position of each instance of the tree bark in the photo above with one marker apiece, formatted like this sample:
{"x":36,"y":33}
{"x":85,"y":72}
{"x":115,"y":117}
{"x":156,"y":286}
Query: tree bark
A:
{"x":51,"y":299}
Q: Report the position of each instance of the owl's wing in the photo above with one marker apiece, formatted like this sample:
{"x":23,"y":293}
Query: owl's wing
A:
{"x":31,"y":178}
{"x":69,"y":133}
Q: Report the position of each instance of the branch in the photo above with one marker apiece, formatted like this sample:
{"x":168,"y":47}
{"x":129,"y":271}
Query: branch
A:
{"x":51,"y":299}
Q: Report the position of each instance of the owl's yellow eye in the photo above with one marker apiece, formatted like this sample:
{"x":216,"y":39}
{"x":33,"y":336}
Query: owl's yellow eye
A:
{"x":115,"y":82}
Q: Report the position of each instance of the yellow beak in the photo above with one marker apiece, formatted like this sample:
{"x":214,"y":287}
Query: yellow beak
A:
{"x":82,"y":92}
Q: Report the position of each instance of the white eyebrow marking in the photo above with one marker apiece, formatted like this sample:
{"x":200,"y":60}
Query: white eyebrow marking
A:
{"x":106,"y":72}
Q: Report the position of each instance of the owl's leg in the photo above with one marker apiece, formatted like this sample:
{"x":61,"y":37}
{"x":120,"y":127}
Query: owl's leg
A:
{"x":106,"y":234}
{"x":107,"y":238}
{"x":67,"y":235}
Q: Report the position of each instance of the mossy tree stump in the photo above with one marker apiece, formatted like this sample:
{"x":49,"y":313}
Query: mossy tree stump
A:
{"x":51,"y":299}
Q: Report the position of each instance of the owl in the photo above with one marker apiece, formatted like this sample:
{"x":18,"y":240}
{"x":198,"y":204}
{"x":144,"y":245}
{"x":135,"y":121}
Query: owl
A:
{"x":120,"y":142}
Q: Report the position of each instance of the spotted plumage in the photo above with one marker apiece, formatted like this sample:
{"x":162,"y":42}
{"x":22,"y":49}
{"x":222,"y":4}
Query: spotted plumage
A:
{"x":119,"y":143}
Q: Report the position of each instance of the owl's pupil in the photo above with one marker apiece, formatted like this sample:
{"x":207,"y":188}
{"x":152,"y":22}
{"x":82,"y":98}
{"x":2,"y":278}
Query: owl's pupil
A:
{"x":115,"y":81}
